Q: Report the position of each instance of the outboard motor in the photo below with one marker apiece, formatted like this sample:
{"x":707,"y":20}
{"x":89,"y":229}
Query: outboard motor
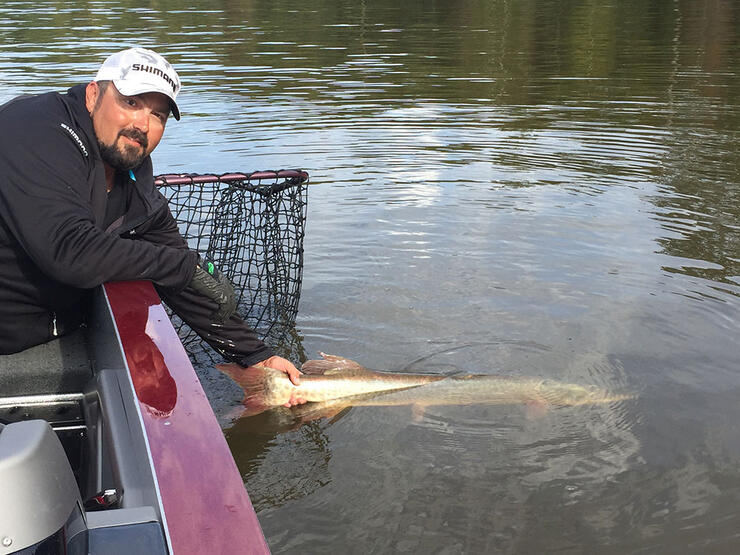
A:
{"x":40,"y":503}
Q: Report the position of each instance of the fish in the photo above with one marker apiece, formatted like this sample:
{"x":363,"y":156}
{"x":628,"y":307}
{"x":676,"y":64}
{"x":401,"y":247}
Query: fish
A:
{"x":335,"y":383}
{"x":325,"y":380}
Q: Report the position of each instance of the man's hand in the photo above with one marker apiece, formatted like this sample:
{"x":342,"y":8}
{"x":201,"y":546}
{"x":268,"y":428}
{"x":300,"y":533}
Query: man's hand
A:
{"x":208,"y":281}
{"x":284,"y":365}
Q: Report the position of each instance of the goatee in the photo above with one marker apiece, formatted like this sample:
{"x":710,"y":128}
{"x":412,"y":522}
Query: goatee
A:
{"x":128,"y":156}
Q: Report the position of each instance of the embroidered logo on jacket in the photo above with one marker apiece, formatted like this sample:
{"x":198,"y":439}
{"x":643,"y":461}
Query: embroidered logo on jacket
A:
{"x":76,"y":137}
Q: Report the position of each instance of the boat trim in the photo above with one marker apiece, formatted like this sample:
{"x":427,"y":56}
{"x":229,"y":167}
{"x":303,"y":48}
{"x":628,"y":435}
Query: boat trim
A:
{"x":140,"y":417}
{"x":42,"y":399}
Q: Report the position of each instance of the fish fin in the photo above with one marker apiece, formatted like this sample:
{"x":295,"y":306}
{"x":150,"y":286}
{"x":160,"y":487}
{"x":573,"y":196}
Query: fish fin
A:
{"x":252,"y":380}
{"x":337,"y":416}
{"x":230,"y":369}
{"x":314,"y":411}
{"x":233,"y":414}
{"x":331,"y":364}
{"x":315,"y":367}
{"x":535,"y":409}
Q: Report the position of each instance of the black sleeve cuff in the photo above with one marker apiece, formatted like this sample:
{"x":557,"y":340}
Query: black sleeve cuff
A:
{"x":252,"y":358}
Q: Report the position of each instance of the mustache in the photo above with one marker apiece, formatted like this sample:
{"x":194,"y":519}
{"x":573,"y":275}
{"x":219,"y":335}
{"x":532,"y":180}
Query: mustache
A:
{"x":136,"y":135}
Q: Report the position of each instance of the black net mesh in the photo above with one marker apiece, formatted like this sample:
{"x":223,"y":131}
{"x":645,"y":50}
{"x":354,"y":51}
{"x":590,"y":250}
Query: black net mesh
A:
{"x":252,"y":227}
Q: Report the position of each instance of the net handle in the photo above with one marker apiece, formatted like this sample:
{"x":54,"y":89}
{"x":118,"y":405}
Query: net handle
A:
{"x":295,"y":176}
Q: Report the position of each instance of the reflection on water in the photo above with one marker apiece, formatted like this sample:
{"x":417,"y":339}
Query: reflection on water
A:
{"x":268,"y":461}
{"x":543,"y":188}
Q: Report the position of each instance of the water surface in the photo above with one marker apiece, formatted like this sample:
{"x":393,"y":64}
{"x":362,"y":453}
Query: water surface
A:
{"x":534,"y":188}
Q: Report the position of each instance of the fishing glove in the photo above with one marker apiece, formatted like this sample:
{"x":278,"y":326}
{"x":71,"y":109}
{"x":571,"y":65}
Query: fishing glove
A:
{"x":208,"y":281}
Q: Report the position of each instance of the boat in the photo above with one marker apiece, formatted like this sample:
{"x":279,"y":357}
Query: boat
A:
{"x":108,"y":443}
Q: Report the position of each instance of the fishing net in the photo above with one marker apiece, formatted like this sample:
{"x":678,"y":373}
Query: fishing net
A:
{"x":252,"y":227}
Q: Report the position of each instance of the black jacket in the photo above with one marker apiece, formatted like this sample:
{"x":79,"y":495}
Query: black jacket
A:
{"x":53,"y":247}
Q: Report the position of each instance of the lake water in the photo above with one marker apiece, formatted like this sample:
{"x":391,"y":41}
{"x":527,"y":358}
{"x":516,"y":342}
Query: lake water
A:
{"x":541,"y":188}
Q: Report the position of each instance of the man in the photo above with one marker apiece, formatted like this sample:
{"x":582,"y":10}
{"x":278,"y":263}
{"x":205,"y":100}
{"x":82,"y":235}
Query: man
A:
{"x":78,"y":208}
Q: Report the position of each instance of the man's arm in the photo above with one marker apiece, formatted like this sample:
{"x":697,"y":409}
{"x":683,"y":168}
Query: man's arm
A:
{"x":44,"y":202}
{"x":233,"y":338}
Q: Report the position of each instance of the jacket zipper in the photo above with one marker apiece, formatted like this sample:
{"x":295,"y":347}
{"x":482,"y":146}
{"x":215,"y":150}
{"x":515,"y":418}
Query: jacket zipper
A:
{"x":149,"y":211}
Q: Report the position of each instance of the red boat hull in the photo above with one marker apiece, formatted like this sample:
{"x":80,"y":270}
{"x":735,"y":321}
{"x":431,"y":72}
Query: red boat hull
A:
{"x":205,"y":506}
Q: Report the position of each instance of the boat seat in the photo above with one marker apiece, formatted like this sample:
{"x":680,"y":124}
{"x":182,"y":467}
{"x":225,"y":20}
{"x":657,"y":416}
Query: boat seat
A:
{"x":60,"y":366}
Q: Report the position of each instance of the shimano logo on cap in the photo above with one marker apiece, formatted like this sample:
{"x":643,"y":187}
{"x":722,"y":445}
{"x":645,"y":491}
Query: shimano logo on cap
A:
{"x":155,"y":71}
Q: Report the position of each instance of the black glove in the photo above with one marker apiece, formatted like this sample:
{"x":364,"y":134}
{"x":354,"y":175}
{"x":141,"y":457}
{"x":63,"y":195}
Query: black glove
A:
{"x":208,"y":281}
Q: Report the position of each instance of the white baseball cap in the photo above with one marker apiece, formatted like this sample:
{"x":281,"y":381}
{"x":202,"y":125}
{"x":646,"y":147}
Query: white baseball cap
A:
{"x":137,"y":71}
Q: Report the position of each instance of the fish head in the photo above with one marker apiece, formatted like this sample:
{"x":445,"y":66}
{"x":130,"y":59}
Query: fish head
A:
{"x":570,"y":395}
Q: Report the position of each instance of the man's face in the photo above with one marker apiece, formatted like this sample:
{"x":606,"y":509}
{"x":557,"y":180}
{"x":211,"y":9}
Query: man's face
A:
{"x":128,"y":128}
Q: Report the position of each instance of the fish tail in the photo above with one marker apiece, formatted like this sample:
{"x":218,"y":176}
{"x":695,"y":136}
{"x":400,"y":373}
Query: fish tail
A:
{"x":254,"y":381}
